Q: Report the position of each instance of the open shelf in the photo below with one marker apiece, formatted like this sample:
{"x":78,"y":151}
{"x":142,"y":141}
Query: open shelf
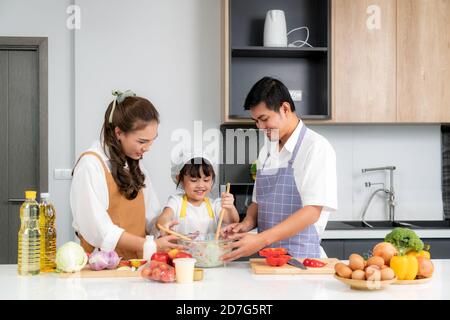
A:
{"x":308,"y":75}
{"x":305,"y":69}
{"x":272,"y":52}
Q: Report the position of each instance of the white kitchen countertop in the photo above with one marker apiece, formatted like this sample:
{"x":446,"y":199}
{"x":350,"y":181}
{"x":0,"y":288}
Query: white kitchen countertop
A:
{"x":232,"y":282}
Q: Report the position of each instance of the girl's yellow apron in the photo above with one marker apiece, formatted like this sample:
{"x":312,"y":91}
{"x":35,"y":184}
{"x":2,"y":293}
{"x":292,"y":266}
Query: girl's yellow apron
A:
{"x":127,"y":214}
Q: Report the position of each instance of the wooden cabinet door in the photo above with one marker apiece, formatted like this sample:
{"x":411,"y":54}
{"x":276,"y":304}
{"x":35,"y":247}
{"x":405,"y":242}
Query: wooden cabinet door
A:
{"x":423,"y":56}
{"x":364,"y":61}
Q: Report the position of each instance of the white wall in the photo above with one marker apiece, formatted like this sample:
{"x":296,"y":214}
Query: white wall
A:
{"x":47,"y":18}
{"x":414,"y":150}
{"x":169,"y":51}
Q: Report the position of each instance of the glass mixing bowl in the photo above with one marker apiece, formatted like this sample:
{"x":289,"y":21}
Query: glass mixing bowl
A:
{"x":206,"y":250}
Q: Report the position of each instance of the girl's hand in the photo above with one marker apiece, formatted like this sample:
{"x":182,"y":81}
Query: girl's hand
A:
{"x":166,"y":243}
{"x":227,"y":201}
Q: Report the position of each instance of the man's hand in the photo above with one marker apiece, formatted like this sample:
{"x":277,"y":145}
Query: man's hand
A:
{"x":235,"y":228}
{"x":246,"y":245}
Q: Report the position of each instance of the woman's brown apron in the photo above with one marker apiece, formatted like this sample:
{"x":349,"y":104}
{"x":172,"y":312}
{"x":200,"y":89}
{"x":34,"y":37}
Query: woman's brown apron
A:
{"x":127,"y":214}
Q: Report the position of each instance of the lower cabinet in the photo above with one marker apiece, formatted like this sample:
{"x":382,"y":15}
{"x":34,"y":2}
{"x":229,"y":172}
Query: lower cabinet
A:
{"x":343,"y":248}
{"x":333,"y":248}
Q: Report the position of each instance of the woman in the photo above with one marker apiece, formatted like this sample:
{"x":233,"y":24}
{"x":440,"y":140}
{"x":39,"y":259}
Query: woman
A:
{"x":112,"y":199}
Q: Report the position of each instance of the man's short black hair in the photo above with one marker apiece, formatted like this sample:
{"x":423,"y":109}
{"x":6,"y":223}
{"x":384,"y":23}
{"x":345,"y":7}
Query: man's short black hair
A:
{"x":270,"y":91}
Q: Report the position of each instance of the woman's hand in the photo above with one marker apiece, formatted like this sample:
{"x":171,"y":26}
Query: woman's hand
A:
{"x":227,"y":201}
{"x":168,"y":225}
{"x":246,"y":245}
{"x":166,"y":243}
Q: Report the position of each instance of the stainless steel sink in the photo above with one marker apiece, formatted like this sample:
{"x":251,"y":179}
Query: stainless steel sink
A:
{"x":349,"y":225}
{"x":431,"y":224}
{"x":379,"y":224}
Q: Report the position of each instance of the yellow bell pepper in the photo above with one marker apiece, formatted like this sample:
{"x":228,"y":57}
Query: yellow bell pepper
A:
{"x":421,"y":253}
{"x":405,"y":267}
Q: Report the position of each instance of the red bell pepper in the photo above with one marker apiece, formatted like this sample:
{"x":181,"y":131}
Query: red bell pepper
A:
{"x":124,"y":263}
{"x":267,"y":252}
{"x":312,"y":263}
{"x":277,"y":260}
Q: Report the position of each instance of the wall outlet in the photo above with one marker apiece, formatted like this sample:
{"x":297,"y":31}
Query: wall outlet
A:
{"x":296,"y":95}
{"x":62,"y":174}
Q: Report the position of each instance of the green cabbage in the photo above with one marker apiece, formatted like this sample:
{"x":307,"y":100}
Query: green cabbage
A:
{"x":70,"y":257}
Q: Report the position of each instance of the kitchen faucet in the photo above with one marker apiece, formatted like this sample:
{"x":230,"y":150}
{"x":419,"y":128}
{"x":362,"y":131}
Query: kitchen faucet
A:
{"x":390,"y":194}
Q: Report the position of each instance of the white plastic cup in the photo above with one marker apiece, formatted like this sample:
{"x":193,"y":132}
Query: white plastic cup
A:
{"x":184,"y":269}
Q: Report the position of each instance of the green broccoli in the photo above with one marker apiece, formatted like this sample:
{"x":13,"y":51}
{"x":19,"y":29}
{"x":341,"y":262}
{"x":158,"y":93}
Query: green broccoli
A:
{"x":404,"y":240}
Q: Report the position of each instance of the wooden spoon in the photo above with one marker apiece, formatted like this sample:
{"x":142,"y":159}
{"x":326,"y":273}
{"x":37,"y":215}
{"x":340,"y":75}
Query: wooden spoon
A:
{"x":169,"y":231}
{"x":222,"y":212}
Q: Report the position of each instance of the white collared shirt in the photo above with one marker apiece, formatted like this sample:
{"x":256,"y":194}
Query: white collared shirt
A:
{"x":89,"y":201}
{"x":314,"y":170}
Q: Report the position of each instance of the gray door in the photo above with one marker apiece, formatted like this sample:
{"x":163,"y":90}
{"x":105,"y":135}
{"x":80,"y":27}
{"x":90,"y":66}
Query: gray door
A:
{"x":19,"y":141}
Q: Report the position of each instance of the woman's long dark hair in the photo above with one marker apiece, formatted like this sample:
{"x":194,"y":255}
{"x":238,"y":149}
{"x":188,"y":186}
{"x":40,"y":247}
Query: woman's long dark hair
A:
{"x":134,"y":113}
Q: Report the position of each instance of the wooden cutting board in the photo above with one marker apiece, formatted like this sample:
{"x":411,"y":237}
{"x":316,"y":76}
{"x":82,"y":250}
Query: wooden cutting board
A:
{"x":259,"y":266}
{"x":88,"y":273}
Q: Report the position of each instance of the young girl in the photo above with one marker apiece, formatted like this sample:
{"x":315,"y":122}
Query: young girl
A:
{"x":192,"y":212}
{"x":113,"y":202}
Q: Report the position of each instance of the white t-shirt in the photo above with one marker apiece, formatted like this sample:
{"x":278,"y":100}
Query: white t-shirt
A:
{"x":197,"y":218}
{"x":89,"y":201}
{"x":314,"y":171}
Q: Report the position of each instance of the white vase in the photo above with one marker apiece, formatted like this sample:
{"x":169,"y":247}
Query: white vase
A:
{"x":275,"y":33}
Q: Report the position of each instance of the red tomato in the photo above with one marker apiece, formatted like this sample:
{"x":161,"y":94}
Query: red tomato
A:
{"x":183,"y":254}
{"x":168,"y":276}
{"x":312,"y":263}
{"x":159,"y":271}
{"x":277,"y":260}
{"x":146,"y":273}
{"x":156,"y":274}
{"x":175,"y":254}
{"x":267,"y":252}
{"x":161,"y":256}
{"x":164,"y":267}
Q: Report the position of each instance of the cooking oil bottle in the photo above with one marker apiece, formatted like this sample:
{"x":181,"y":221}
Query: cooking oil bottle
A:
{"x":48,"y":234}
{"x":29,"y":236}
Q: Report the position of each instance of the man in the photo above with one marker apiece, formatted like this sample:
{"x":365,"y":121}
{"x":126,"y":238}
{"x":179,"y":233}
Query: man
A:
{"x":295,"y":187}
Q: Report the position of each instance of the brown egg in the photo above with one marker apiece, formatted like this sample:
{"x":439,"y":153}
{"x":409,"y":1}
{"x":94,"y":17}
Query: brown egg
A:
{"x":373,"y":274}
{"x":375,"y":261}
{"x":387,"y":274}
{"x":359,"y":275}
{"x":373,"y":267}
{"x":356,"y":262}
{"x":343,"y":270}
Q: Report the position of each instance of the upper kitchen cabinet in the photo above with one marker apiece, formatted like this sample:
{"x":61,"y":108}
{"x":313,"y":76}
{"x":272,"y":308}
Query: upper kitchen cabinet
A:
{"x":364,"y":61}
{"x":423,"y":59}
{"x":304,"y":69}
